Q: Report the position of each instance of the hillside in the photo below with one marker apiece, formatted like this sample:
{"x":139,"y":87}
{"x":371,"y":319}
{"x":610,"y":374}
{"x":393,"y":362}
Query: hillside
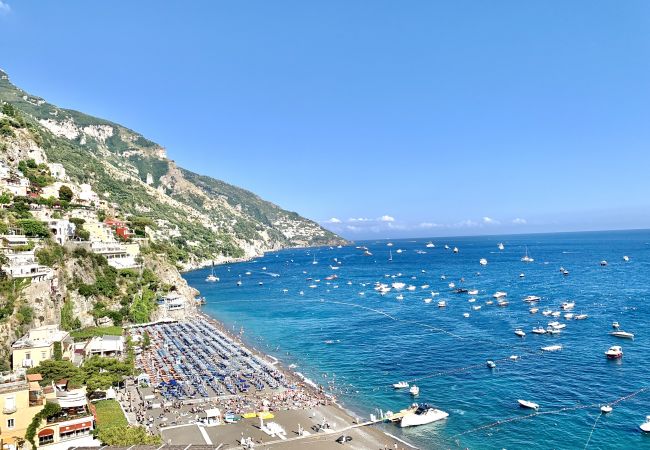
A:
{"x":194,"y":218}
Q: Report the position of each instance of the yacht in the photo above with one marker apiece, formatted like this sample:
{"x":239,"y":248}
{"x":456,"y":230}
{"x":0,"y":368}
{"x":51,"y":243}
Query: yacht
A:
{"x":519,"y":332}
{"x":645,"y":426}
{"x":423,"y":414}
{"x":539,"y":330}
{"x":614,"y":352}
{"x":551,"y":330}
{"x":212,"y":277}
{"x":622,"y":334}
{"x":414,"y":391}
{"x":427,"y":300}
{"x":501,"y":247}
{"x":483,"y":262}
{"x":580,"y":317}
{"x":552,"y":348}
{"x":499,"y":294}
{"x":476,"y":308}
{"x":503,"y":303}
{"x":527,"y":404}
{"x":532,"y":299}
{"x":490,"y":364}
{"x":430,"y":245}
{"x":527,"y":258}
{"x":424,"y":286}
{"x":442,"y":304}
{"x":567,"y":306}
{"x":401,"y":385}
{"x":521,"y":275}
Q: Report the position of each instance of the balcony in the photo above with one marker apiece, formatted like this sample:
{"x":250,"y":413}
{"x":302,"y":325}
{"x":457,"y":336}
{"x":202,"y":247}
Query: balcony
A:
{"x":9,"y":409}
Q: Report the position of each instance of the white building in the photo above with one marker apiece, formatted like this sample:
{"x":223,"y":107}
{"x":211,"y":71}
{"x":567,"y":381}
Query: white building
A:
{"x":117,"y":254}
{"x":172,"y":302}
{"x":105,"y":346}
{"x":86,"y":194}
{"x":57,"y":171}
{"x":62,"y":230}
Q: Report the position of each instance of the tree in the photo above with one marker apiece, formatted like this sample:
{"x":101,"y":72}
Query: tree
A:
{"x":67,"y":316}
{"x":49,"y":410}
{"x":65,"y":193}
{"x":52,"y":370}
{"x":146,"y":340}
{"x":58,"y":352}
{"x":126,"y":436}
{"x":34,"y":228}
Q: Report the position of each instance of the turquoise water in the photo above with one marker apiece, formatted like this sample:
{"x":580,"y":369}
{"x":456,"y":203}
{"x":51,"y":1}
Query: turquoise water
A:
{"x":363,"y":344}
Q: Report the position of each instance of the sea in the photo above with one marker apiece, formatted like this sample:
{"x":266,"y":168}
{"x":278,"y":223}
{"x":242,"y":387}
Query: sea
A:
{"x":343,"y":334}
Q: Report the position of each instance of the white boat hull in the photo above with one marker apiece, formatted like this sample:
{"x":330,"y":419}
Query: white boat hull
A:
{"x":430,"y":416}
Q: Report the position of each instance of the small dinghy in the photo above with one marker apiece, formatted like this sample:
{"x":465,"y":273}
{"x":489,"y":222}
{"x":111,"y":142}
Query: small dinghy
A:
{"x":606,"y":409}
{"x":527,"y":404}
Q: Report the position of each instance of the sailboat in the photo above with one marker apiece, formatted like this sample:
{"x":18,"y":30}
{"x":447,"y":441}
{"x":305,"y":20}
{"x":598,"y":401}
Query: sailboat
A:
{"x":527,"y":258}
{"x":314,"y":261}
{"x":501,"y":247}
{"x":390,"y":255}
{"x":212,"y":277}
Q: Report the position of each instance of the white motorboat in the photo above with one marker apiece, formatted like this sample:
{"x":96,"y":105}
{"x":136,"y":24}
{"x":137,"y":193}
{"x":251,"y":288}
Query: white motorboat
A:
{"x":397,"y":285}
{"x":430,"y":245}
{"x":503,"y":303}
{"x":471,"y":300}
{"x":556,"y":314}
{"x":622,"y":334}
{"x":614,"y":352}
{"x":414,"y":391}
{"x":565,"y":272}
{"x":539,"y":330}
{"x":465,"y":315}
{"x":557,"y":325}
{"x":491,"y":364}
{"x":424,"y":286}
{"x":645,"y":426}
{"x":442,"y":304}
{"x":626,"y":258}
{"x":580,"y":317}
{"x":399,"y":250}
{"x":390,"y":244}
{"x":568,"y":306}
{"x":526,"y":258}
{"x":606,"y":409}
{"x":483,"y":262}
{"x":519,"y":332}
{"x":427,"y":300}
{"x":400,"y":297}
{"x":521,"y":275}
{"x":532,"y":299}
{"x":446,"y":247}
{"x":527,"y":404}
{"x":501,"y":247}
{"x":489,"y":302}
{"x":455,"y":250}
{"x":499,"y":294}
{"x":239,"y":283}
{"x":603,"y":263}
{"x":473,"y":292}
{"x":401,"y":385}
{"x":410,"y":287}
{"x":533,"y":310}
{"x":423,"y":415}
{"x":551,"y":330}
{"x":452,"y":285}
{"x":547,"y":312}
{"x":568,"y":316}
{"x":552,"y":348}
{"x":476,"y":308}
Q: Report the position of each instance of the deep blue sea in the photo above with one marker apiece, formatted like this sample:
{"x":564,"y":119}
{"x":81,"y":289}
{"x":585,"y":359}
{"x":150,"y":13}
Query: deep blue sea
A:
{"x":361,"y":344}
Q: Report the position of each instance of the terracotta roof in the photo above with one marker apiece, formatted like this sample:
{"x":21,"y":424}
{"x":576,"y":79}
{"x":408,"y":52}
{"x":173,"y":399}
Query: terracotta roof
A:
{"x":34,"y":377}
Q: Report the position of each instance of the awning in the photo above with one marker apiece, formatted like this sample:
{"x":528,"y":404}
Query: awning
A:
{"x":76,"y":426}
{"x":46,"y":432}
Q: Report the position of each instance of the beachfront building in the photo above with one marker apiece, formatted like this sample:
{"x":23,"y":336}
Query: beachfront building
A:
{"x":171,"y":302}
{"x":111,"y":346}
{"x":73,"y":425}
{"x":120,"y":256}
{"x":38,"y":345}
{"x":21,"y":398}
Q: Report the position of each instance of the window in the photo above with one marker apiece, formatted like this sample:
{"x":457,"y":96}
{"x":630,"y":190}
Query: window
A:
{"x":43,"y":355}
{"x":42,"y":440}
{"x":28,"y":355}
{"x":11,"y":423}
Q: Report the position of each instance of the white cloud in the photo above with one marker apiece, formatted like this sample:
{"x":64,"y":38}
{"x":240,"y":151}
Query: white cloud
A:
{"x":359,"y":219}
{"x":4,"y":7}
{"x":429,"y":225}
{"x":467,"y":223}
{"x":334,"y":220}
{"x":519,"y":221}
{"x":387,"y":218}
{"x":490,"y":221}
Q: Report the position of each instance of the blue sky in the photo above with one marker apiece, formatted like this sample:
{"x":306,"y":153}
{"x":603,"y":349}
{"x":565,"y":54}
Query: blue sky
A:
{"x":394,"y":118}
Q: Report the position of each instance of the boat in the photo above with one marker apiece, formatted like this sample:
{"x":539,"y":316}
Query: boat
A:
{"x":427,"y":300}
{"x":501,"y":247}
{"x":367,"y":253}
{"x":424,"y":286}
{"x":461,"y":291}
{"x":414,"y":391}
{"x":614,"y":352}
{"x":565,"y":272}
{"x":466,"y":315}
{"x":410,"y":287}
{"x":645,"y":426}
{"x":551,"y":330}
{"x":239,"y":283}
{"x":526,"y":258}
{"x":567,"y":306}
{"x":527,"y":404}
{"x":552,"y":348}
{"x":446,"y":247}
{"x":521,"y":275}
{"x":626,"y":258}
{"x":455,"y":250}
{"x":568,"y":316}
{"x":400,"y":297}
{"x":533,"y":310}
{"x":314,"y":260}
{"x":442,"y":304}
{"x":603,"y":263}
{"x":398,"y":285}
{"x":390,"y":255}
{"x":390,"y":244}
{"x":471,"y":300}
{"x":615,"y":325}
{"x":490,"y":364}
{"x":532,"y":299}
{"x":539,"y":330}
{"x":503,"y":303}
{"x":401,"y":385}
{"x":519,"y":332}
{"x":547,"y":312}
{"x":580,"y":317}
{"x":622,"y":334}
{"x":476,"y":308}
{"x":606,"y":409}
{"x":212,"y":277}
{"x":473,"y":292}
{"x":430,"y":245}
{"x":423,"y":415}
{"x":499,"y":294}
{"x":483,"y":262}
{"x":452,"y":285}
